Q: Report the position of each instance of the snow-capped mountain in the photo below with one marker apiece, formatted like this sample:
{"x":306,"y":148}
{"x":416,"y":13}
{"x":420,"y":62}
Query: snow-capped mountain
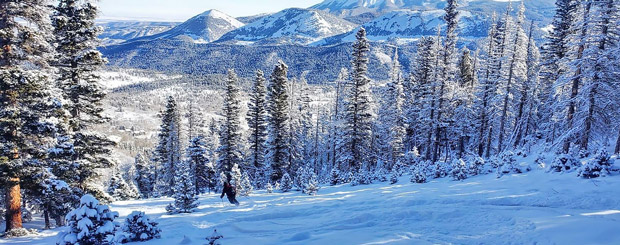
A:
{"x":115,"y":32}
{"x":203,"y":28}
{"x":354,"y":10}
{"x":411,"y":24}
{"x":290,"y":26}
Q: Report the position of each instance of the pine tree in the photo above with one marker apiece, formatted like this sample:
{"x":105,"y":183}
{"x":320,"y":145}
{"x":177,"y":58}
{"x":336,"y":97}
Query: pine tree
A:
{"x":278,"y":142}
{"x":90,"y":223}
{"x":392,"y":130}
{"x":185,"y":200}
{"x":78,"y":62}
{"x":447,"y":71}
{"x":257,"y":122}
{"x":286,"y":183}
{"x":230,"y":151}
{"x":198,"y":160}
{"x":485,"y":90}
{"x":138,"y":227}
{"x":120,"y":190}
{"x":358,"y":113}
{"x":168,"y":151}
{"x":27,"y":109}
{"x":145,"y":176}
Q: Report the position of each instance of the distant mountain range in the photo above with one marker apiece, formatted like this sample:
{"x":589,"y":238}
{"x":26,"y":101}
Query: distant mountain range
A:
{"x":330,"y":23}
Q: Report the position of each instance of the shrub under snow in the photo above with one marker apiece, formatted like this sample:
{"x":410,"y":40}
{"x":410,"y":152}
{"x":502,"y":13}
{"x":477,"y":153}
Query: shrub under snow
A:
{"x":564,"y":163}
{"x":599,"y":166}
{"x":90,"y":223}
{"x":459,"y":169}
{"x":138,"y":227}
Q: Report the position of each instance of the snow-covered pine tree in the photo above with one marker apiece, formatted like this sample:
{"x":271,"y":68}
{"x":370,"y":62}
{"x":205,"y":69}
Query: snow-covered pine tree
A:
{"x":55,"y":198}
{"x":287,"y":183}
{"x":144,"y":176}
{"x":78,"y":63}
{"x":119,"y":189}
{"x":356,"y":142}
{"x":459,"y":169}
{"x":599,"y":166}
{"x":516,"y":72}
{"x":230,"y":151}
{"x":27,"y":110}
{"x":257,"y":122}
{"x":337,"y":117}
{"x":312,"y":187}
{"x":334,"y":177}
{"x":185,"y":200}
{"x":599,"y":94}
{"x":447,"y":70}
{"x":278,"y":142}
{"x":199,"y":164}
{"x":245,"y":185}
{"x":213,"y":239}
{"x":553,"y":51}
{"x":392,"y":123}
{"x":138,"y":228}
{"x":90,"y":223}
{"x":168,"y":151}
{"x":461,"y":102}
{"x":486,"y":90}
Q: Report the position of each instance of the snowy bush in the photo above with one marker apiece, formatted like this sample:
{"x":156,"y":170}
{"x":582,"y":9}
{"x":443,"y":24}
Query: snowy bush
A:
{"x":459,"y":169}
{"x":509,"y":165}
{"x":599,"y":166}
{"x":213,"y":239}
{"x":361,"y":178}
{"x":90,"y":223}
{"x":394,"y":177}
{"x":441,"y":169}
{"x":138,"y":227}
{"x":269,"y":187}
{"x":245,"y":187}
{"x":564,"y":163}
{"x":312,"y":187}
{"x":476,"y":165}
{"x":381,"y":175}
{"x":418,"y":173}
{"x":334,"y":177}
{"x":286,"y":184}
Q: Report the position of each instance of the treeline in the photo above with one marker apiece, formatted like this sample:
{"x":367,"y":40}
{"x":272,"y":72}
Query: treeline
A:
{"x":457,"y":113}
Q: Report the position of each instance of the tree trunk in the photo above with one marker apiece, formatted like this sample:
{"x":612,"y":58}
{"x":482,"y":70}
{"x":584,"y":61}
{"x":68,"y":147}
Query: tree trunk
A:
{"x":13,"y":205}
{"x":617,"y":151}
{"x":46,"y":216}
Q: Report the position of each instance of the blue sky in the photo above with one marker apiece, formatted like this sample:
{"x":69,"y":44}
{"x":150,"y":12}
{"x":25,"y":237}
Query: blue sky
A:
{"x":180,"y":10}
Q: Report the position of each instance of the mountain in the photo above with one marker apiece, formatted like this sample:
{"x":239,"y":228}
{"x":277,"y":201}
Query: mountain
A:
{"x":252,"y":18}
{"x":289,"y":26}
{"x":203,"y":28}
{"x":115,"y":32}
{"x":538,"y":10}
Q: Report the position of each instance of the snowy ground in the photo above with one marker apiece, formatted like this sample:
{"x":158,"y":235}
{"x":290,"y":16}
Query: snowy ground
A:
{"x":532,"y":208}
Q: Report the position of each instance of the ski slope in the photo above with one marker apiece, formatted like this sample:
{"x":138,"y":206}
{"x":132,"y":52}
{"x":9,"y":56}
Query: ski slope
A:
{"x":531,"y":208}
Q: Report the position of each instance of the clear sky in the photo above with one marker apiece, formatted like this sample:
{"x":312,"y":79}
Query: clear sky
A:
{"x":180,"y":10}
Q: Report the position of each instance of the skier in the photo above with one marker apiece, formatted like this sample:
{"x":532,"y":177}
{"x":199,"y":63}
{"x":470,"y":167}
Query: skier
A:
{"x":230,"y":192}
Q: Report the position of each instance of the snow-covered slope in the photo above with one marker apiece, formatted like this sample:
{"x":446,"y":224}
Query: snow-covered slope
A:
{"x":410,"y":24}
{"x":291,"y":26}
{"x":203,"y":28}
{"x":115,"y":32}
{"x":531,"y":208}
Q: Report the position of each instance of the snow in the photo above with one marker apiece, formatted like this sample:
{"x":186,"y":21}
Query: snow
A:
{"x":536,"y":207}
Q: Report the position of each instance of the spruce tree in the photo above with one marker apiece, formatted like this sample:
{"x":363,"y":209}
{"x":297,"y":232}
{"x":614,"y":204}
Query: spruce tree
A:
{"x":356,"y":140}
{"x":144,"y":176}
{"x":27,"y":109}
{"x":185,"y":200}
{"x":392,"y":126}
{"x":279,"y":148}
{"x":257,"y":122}
{"x":200,"y":166}
{"x":230,"y":151}
{"x":168,"y":151}
{"x":78,"y":62}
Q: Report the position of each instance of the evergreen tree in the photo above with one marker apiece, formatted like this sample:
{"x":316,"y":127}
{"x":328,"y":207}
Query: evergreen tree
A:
{"x":120,"y":190}
{"x":168,"y":151}
{"x":185,"y":200}
{"x":486,"y":91}
{"x":230,"y":151}
{"x":138,"y":228}
{"x":78,"y":62}
{"x":286,"y":183}
{"x":278,"y":142}
{"x":145,"y":176}
{"x":392,"y":131}
{"x":27,"y":109}
{"x":198,"y":160}
{"x":358,"y":113}
{"x":257,"y":122}
{"x":90,"y":223}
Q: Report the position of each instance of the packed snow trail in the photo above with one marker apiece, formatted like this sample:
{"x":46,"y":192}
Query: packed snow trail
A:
{"x":530,"y":208}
